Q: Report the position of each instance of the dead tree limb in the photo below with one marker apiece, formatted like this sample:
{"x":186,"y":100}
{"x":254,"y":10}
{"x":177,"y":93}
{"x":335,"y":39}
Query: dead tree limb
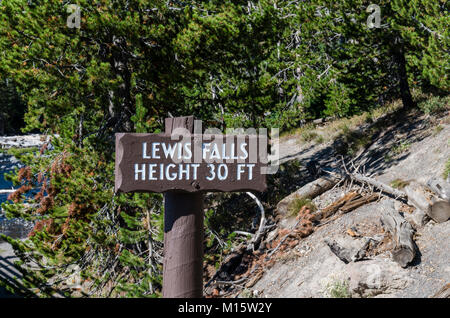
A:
{"x":402,"y":234}
{"x":335,"y":206}
{"x":357,"y":202}
{"x":444,"y":292}
{"x":427,"y":199}
{"x":379,"y":185}
{"x":367,"y":180}
{"x":308,"y":191}
{"x":440,"y":187}
{"x":262,"y":223}
{"x":439,"y":211}
{"x":349,"y":202}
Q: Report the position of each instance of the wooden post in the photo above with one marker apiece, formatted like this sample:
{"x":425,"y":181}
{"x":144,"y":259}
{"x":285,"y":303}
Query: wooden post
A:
{"x":183,"y":235}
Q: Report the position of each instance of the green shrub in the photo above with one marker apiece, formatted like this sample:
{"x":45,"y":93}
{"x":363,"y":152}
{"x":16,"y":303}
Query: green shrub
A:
{"x":400,"y":148}
{"x":319,"y":139}
{"x":295,"y":206}
{"x":399,"y":183}
{"x":309,"y":135}
{"x":338,"y":289}
{"x":447,"y":169}
{"x":435,"y":104}
{"x":437,"y":130}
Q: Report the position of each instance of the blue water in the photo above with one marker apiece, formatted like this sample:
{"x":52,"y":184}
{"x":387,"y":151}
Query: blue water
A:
{"x":15,"y":228}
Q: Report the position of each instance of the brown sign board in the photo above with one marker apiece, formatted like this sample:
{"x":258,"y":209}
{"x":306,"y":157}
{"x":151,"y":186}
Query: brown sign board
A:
{"x":190,"y":162}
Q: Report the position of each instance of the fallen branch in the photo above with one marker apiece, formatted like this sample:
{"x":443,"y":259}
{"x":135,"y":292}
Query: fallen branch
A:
{"x":357,"y":202}
{"x":379,"y":185}
{"x":439,"y":211}
{"x":402,"y":233}
{"x":231,"y":282}
{"x":262,"y":223}
{"x":348,"y":255}
{"x":444,"y":292}
{"x":335,"y":206}
{"x":308,"y":191}
{"x":427,"y":200}
{"x":367,"y":180}
{"x":349,"y":202}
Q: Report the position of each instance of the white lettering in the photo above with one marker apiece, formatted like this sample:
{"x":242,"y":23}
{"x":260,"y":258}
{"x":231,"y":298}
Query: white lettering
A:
{"x":182,"y":171}
{"x":215,"y":152}
{"x":138,"y":171}
{"x":172,"y":176}
{"x":161,"y":171}
{"x":169,"y":150}
{"x":144,"y":151}
{"x":250,"y":171}
{"x":155,"y":148}
{"x":240,"y":170}
{"x":222,"y":175}
{"x":195,"y":167}
{"x":206,"y":149}
{"x":244,"y":150}
{"x":151,"y":171}
{"x":188,"y":151}
{"x":180,"y":149}
{"x":224,"y":152}
{"x":212,"y":172}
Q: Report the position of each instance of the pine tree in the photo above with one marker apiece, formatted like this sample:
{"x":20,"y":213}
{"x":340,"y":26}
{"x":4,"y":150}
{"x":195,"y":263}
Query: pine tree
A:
{"x":12,"y":108}
{"x":424,"y":24}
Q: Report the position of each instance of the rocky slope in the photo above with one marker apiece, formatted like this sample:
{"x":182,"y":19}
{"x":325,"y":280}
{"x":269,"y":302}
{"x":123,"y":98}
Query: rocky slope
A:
{"x":409,"y":149}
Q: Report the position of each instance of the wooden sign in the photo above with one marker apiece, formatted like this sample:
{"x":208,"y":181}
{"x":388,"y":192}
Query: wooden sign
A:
{"x":161,"y":162}
{"x":184,"y":166}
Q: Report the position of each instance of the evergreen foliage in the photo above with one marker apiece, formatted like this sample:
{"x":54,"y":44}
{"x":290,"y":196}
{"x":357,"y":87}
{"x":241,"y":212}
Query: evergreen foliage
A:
{"x":12,"y":108}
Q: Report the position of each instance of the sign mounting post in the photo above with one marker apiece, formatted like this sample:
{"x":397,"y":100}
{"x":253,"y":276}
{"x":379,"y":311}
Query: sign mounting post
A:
{"x":183,"y":235}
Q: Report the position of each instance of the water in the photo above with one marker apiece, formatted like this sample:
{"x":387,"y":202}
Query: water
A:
{"x":15,"y":228}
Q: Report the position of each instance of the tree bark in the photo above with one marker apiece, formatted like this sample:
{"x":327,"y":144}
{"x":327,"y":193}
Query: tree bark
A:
{"x":308,"y":191}
{"x":405,"y":93}
{"x":440,"y":187}
{"x":384,"y":187}
{"x":402,"y":234}
{"x":2,"y":125}
{"x":439,"y":211}
{"x":428,"y":199}
{"x":335,"y":206}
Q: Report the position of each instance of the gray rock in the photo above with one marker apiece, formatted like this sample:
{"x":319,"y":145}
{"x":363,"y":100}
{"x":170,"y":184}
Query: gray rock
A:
{"x":376,"y":278}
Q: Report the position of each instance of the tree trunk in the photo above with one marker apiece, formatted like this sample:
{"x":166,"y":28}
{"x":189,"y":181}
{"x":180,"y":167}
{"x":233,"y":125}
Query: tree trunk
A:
{"x":439,"y":211}
{"x":440,"y":187}
{"x":2,"y":126}
{"x":425,"y":199}
{"x":308,"y":191}
{"x":402,"y":234}
{"x":405,"y":93}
